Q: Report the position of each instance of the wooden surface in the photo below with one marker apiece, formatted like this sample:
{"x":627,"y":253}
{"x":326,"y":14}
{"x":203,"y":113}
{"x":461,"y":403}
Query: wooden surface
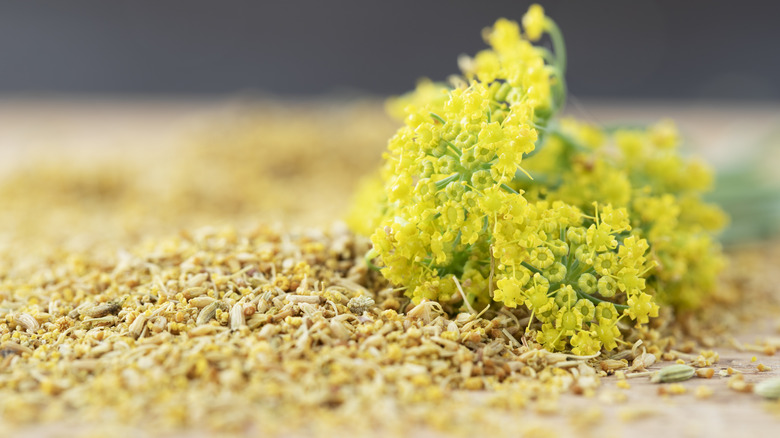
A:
{"x":83,"y":130}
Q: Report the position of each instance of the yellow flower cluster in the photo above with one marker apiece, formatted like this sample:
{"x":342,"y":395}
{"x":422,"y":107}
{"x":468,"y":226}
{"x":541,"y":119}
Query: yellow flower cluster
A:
{"x":641,"y":170}
{"x":452,"y":226}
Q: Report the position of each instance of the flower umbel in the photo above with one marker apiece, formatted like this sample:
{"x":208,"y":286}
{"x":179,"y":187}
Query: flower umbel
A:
{"x":572,"y":239}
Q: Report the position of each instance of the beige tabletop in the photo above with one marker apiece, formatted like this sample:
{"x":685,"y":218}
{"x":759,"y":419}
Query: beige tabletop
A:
{"x":151,"y":133}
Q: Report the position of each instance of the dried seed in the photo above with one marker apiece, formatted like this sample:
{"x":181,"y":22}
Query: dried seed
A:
{"x":674,"y":373}
{"x":268,"y":331}
{"x":425,"y":311}
{"x":339,"y":330}
{"x":157,"y":324}
{"x":100,"y":349}
{"x":738,"y":383}
{"x":77,"y":311}
{"x":493,"y":348}
{"x":237,"y":319}
{"x":769,"y":388}
{"x":192,"y":292}
{"x":451,"y":345}
{"x":27,"y":322}
{"x":203,"y":330}
{"x":249,"y":309}
{"x":98,"y":322}
{"x":642,"y":361}
{"x":137,"y":326}
{"x":102,"y":310}
{"x":360,"y":304}
{"x":201,"y":302}
{"x":281,"y":315}
{"x":257,"y":320}
{"x":310,"y":299}
{"x":612,"y":365}
{"x":210,"y":311}
{"x":42,"y":317}
{"x":8,"y":348}
{"x":196,"y":280}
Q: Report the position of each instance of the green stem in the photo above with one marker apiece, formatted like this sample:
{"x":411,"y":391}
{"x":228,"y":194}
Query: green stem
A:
{"x":531,"y":267}
{"x":566,"y":138}
{"x":509,"y":189}
{"x":457,"y":151}
{"x":596,"y":301}
{"x":559,"y":46}
{"x":559,"y":90}
{"x":370,"y":255}
{"x":553,"y":130}
{"x":542,"y":128}
{"x":547,"y":55}
{"x":442,"y":183}
{"x":438,"y":117}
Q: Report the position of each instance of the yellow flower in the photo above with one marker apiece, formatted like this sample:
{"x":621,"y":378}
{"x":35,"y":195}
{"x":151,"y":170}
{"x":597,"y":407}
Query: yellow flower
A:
{"x":664,"y":134}
{"x":550,"y":337}
{"x":465,"y":195}
{"x":585,"y":344}
{"x":534,"y":22}
{"x":607,"y":332}
{"x":504,"y":36}
{"x":641,"y":308}
{"x":509,"y":292}
{"x":365,"y":213}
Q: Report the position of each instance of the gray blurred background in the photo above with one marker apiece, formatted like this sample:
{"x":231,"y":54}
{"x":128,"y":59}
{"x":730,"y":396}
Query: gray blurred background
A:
{"x":618,"y":49}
